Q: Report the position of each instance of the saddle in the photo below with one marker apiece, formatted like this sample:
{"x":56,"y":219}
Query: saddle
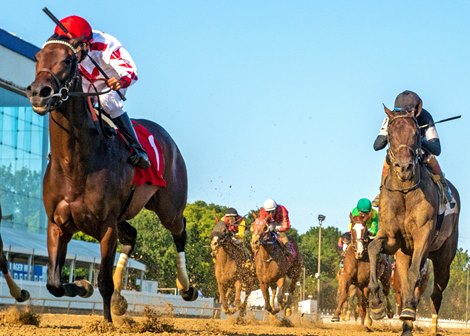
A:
{"x":154,"y":174}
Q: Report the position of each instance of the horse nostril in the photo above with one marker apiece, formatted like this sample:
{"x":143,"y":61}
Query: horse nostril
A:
{"x":45,"y":92}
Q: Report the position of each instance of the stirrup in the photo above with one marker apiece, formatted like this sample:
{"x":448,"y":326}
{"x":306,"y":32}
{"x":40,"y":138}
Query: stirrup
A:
{"x":139,"y":159}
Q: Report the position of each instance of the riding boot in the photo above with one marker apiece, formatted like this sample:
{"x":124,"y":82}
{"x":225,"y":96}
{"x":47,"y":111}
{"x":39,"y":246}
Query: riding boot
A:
{"x":385,"y":171}
{"x":285,"y":243}
{"x":432,"y":163}
{"x":139,"y":157}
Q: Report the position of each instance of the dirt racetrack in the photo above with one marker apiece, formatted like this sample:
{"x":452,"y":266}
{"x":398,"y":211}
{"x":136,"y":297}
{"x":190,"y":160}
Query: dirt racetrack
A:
{"x":11,"y":323}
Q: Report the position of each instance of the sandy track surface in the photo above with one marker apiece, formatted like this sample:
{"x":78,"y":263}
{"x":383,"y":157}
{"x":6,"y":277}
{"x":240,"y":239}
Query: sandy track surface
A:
{"x":67,"y":325}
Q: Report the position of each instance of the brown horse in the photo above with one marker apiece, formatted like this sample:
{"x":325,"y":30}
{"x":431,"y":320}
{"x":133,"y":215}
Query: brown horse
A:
{"x":410,"y":224}
{"x":356,"y":272}
{"x":396,"y":285}
{"x":87,"y":185}
{"x":274,"y":269}
{"x":234,"y":270}
{"x":20,"y":295}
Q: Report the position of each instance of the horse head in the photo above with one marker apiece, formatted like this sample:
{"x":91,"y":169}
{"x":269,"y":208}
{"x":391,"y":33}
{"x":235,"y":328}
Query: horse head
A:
{"x":359,"y":235}
{"x":404,"y":142}
{"x":259,"y":233}
{"x":56,"y":73}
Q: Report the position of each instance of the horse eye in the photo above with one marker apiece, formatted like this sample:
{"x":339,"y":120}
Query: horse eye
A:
{"x":68,"y":61}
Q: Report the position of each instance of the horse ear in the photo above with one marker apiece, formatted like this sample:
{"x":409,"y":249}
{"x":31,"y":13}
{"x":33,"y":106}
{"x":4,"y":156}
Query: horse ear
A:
{"x":350,"y":217}
{"x":388,"y":112}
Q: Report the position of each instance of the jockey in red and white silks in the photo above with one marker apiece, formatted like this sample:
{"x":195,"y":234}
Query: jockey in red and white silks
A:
{"x":116,"y":62}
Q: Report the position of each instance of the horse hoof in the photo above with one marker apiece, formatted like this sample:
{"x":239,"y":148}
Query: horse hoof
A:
{"x":24,"y":296}
{"x":118,"y":304}
{"x":86,"y":286}
{"x":377,"y":313}
{"x":335,"y":319}
{"x":288,"y":312}
{"x":408,"y":314}
{"x":190,"y":295}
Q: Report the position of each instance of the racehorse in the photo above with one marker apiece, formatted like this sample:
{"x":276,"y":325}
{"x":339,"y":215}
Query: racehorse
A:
{"x":410,"y":223}
{"x":396,"y":285}
{"x":20,"y":295}
{"x":274,"y":269}
{"x":88,"y":182}
{"x":233,"y":270}
{"x":356,"y":271}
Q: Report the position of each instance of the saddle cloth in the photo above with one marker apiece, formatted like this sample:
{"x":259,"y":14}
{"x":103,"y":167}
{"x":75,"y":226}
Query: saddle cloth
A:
{"x":154,"y":174}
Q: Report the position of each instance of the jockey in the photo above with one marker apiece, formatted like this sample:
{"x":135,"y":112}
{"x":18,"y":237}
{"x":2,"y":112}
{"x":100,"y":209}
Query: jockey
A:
{"x":231,"y":222}
{"x":277,"y":217}
{"x":115,"y":60}
{"x":430,"y":143}
{"x":365,"y":210}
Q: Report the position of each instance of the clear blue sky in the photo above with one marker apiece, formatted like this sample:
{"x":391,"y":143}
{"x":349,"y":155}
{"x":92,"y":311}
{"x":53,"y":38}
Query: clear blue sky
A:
{"x":283,"y":99}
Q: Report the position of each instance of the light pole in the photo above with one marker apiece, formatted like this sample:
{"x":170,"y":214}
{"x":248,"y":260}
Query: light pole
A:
{"x":466,"y":299}
{"x":321,"y":218}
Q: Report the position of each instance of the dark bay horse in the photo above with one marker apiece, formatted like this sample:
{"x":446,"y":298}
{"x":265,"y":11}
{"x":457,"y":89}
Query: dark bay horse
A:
{"x":234,"y":270}
{"x":357,"y":272}
{"x":20,"y":295}
{"x":410,"y":223}
{"x":273,"y":268}
{"x":87,"y":184}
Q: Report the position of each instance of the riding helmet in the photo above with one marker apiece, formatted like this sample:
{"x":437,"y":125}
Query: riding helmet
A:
{"x":77,"y":26}
{"x":231,"y":212}
{"x":270,"y":205}
{"x":364,"y":205}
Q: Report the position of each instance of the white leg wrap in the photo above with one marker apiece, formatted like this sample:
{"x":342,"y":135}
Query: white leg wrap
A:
{"x":118,"y":273}
{"x":182,"y":280}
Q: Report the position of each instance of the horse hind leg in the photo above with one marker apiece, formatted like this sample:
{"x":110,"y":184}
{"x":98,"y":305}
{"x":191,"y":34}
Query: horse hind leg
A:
{"x":189,"y":293}
{"x":20,"y":295}
{"x":127,"y":236}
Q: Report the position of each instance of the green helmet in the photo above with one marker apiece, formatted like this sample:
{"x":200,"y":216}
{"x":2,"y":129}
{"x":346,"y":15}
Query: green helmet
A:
{"x":364,"y":205}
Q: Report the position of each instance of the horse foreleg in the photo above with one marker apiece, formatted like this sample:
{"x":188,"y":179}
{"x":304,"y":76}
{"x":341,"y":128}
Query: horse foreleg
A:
{"x":280,"y":294}
{"x":385,"y":280}
{"x":441,"y":279}
{"x":410,"y":284}
{"x":265,"y":291}
{"x":57,"y":241}
{"x":189,"y":293}
{"x":238,"y":291}
{"x":376,"y":307}
{"x":19,"y":294}
{"x":108,"y":245}
{"x":127,"y":236}
{"x":342,"y":297}
{"x":223,"y":294}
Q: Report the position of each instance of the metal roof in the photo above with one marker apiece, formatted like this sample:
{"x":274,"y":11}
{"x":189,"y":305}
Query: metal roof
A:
{"x":31,"y":243}
{"x":17,"y":44}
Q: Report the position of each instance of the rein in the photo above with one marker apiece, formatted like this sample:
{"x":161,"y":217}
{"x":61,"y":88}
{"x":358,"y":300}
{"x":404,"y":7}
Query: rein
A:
{"x":415,"y":152}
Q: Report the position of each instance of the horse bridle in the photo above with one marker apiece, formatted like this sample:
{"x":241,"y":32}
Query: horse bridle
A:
{"x":416,"y":152}
{"x":64,"y":93}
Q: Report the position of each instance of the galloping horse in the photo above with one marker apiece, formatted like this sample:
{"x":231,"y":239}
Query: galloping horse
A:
{"x":410,"y":223}
{"x":20,"y":295}
{"x":87,"y":185}
{"x":356,"y":271}
{"x":274,"y":269}
{"x":232,"y":271}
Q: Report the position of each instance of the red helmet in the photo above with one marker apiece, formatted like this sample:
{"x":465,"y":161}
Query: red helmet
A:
{"x":77,"y":26}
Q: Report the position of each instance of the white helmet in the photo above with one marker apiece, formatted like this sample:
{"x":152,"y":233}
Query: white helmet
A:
{"x":270,"y":205}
